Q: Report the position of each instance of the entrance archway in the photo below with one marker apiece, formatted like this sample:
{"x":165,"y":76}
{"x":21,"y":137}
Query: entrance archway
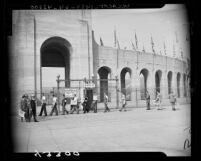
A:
{"x":103,"y":74}
{"x":143,"y":82}
{"x":185,"y":87}
{"x":126,"y":82}
{"x":158,"y":80}
{"x":55,"y":52}
{"x":169,"y":77}
{"x":178,"y":84}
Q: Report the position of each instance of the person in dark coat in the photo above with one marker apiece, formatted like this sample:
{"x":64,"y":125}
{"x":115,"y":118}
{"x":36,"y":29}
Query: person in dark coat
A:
{"x":22,"y":107}
{"x":33,"y":108}
{"x":64,"y":102}
{"x":148,"y":100}
{"x":27,"y":108}
{"x":86,"y":105}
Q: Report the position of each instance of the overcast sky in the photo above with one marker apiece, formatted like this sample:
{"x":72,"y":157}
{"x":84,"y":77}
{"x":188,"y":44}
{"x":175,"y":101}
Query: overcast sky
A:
{"x":162,"y":24}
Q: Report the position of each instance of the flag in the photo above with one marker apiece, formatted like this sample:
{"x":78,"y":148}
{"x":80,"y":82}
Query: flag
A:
{"x":101,"y":42}
{"x":136,"y":41}
{"x":118,"y":44}
{"x":152,"y":44}
{"x":164,"y":47}
{"x":182,"y":55}
{"x":115,"y":38}
{"x":133,"y":46}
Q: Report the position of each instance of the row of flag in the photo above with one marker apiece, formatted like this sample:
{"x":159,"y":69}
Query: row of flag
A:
{"x":135,"y":46}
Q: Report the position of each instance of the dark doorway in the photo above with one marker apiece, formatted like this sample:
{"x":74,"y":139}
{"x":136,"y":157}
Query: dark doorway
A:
{"x":55,"y":52}
{"x":126,"y":82}
{"x":178,"y":84}
{"x":169,"y":76}
{"x":103,"y":74}
{"x":158,"y":80}
{"x":89,"y":95}
{"x":143,"y":83}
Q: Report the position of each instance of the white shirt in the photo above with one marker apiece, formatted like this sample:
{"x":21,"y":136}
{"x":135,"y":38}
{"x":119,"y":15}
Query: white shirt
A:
{"x":43,"y":99}
{"x":54,"y":100}
{"x":74,"y":101}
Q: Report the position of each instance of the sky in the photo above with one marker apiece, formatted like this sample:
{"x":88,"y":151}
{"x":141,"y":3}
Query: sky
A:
{"x":162,"y":24}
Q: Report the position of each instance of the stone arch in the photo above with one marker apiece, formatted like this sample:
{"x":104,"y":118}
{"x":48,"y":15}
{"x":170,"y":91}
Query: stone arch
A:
{"x":178,"y":84}
{"x":185,"y":84}
{"x":56,"y":52}
{"x":169,"y":79}
{"x":103,"y":75}
{"x":143,"y":82}
{"x":158,"y":76}
{"x":125,"y":77}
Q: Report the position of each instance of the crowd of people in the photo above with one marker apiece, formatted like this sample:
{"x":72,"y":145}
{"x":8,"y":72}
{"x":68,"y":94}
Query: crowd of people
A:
{"x":28,"y":105}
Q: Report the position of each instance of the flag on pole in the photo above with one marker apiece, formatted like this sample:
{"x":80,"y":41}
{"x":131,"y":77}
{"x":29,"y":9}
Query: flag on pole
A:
{"x":164,"y":46}
{"x":136,"y":41}
{"x":133,"y":46}
{"x":101,"y":42}
{"x":118,"y":44}
{"x":152,"y":44}
{"x":115,"y":38}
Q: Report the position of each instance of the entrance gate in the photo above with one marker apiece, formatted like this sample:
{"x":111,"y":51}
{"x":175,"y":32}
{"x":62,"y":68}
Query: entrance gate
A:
{"x":89,"y":87}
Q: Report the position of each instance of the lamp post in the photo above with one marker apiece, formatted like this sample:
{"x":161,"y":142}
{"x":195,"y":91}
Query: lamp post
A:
{"x":58,"y":82}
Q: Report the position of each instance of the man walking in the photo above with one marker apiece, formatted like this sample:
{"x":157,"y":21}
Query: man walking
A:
{"x":158,"y":100}
{"x":64,"y":102}
{"x":54,"y":106}
{"x":74,"y":104}
{"x":148,"y":100}
{"x":43,"y":107}
{"x":106,"y":102}
{"x":95,"y":100}
{"x":22,"y":110}
{"x":33,"y":108}
{"x":123,"y":101}
{"x":173,"y":100}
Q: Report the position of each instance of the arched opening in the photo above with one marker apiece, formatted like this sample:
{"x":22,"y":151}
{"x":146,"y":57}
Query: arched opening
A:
{"x":103,"y":74}
{"x":55,"y":56}
{"x":143,"y":83}
{"x":169,"y":77}
{"x":185,"y":88}
{"x":125,"y":76}
{"x":158,"y":80}
{"x":178,"y":84}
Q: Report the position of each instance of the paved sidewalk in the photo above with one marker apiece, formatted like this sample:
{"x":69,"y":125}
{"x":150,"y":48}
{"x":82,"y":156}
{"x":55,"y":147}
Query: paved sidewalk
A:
{"x":137,"y":129}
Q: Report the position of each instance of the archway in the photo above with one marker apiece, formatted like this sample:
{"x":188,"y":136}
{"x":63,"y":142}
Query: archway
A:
{"x":125,"y":76}
{"x":55,"y":53}
{"x":103,"y":74}
{"x":185,"y":88}
{"x":169,"y":77}
{"x":143,"y":82}
{"x":158,"y":80}
{"x":178,"y":84}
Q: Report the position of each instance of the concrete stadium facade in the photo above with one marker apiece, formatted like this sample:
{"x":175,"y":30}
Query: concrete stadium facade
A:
{"x":54,"y":38}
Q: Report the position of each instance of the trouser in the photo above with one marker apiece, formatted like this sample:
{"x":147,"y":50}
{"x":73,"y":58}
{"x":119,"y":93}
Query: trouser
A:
{"x":106,"y":108}
{"x":33,"y":113}
{"x":75,"y":108}
{"x":43,"y":108}
{"x":173,"y":105}
{"x":64,"y":109}
{"x":123,"y":107}
{"x":27,"y":115}
{"x":95,"y":107}
{"x":54,"y":108}
{"x":148,"y":105}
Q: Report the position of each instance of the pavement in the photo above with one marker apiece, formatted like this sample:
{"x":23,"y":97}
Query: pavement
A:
{"x":136,"y":129}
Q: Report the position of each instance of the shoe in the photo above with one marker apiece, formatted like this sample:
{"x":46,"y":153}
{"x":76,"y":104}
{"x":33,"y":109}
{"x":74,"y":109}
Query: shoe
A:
{"x":36,"y":121}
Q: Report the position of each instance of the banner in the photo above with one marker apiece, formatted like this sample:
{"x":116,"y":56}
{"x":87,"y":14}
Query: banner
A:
{"x":70,"y":92}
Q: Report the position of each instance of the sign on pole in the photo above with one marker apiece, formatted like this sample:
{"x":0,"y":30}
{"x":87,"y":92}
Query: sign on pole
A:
{"x":70,"y":92}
